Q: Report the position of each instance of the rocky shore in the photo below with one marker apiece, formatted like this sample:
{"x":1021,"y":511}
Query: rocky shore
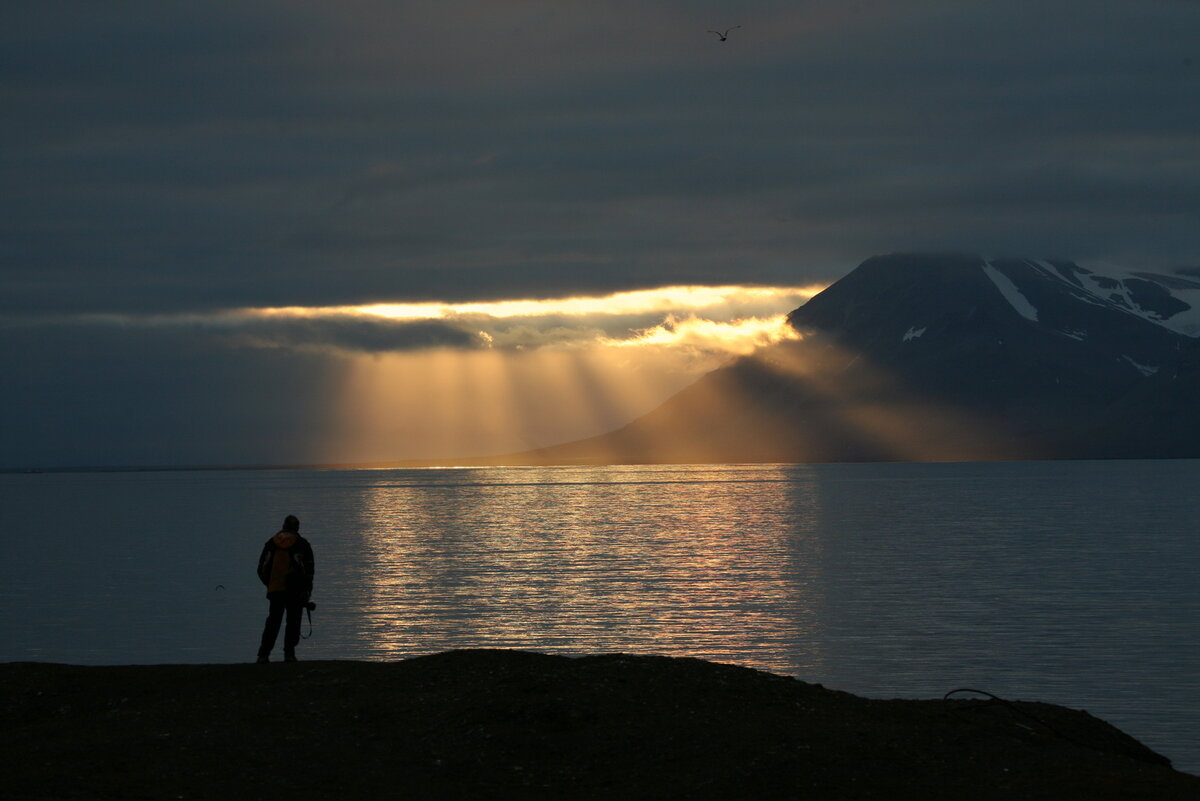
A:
{"x":508,"y":724}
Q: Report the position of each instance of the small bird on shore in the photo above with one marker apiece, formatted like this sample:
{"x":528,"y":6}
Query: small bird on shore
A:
{"x":725,"y":35}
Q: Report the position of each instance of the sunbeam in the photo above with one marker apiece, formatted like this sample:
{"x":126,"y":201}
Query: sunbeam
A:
{"x":875,"y":406}
{"x":447,"y":404}
{"x":536,"y":374}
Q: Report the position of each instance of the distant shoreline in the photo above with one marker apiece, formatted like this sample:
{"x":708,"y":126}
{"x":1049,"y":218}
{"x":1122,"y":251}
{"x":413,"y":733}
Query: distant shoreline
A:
{"x":452,"y":464}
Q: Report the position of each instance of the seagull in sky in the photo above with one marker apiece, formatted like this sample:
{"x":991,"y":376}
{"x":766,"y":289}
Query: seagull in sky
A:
{"x":725,"y":35}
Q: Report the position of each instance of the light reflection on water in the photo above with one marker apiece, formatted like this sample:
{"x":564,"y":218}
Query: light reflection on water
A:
{"x":595,"y":560}
{"x":1068,"y":582}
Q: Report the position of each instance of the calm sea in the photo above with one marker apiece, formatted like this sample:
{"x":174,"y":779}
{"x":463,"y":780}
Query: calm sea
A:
{"x":1069,"y":582}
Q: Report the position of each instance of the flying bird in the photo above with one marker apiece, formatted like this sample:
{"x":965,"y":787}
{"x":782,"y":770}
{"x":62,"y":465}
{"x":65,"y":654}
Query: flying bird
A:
{"x":725,"y":35}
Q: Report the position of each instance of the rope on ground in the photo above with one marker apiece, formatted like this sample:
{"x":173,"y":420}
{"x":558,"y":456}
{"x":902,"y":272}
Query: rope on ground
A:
{"x":1141,"y":757}
{"x":1016,"y":709}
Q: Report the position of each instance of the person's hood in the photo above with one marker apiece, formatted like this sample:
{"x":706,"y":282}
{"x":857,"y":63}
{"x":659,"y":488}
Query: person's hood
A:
{"x":285,"y":539}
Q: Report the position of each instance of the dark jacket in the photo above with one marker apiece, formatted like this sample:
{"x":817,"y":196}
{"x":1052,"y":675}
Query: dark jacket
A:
{"x":286,"y":566}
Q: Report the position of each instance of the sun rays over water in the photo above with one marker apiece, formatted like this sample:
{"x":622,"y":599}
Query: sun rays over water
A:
{"x":449,"y":403}
{"x":537,"y":373}
{"x":436,"y":381}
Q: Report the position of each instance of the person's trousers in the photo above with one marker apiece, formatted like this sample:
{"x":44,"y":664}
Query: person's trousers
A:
{"x":294,"y":609}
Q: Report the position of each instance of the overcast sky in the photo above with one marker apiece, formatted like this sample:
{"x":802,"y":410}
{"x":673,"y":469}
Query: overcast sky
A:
{"x":189,"y":158}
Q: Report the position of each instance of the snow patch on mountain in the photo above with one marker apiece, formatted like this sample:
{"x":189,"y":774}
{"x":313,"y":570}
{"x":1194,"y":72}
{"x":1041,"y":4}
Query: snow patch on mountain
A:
{"x":1172,"y":301}
{"x":913,"y":333}
{"x":1010,"y":292}
{"x":1168,"y":300}
{"x":1144,"y":369}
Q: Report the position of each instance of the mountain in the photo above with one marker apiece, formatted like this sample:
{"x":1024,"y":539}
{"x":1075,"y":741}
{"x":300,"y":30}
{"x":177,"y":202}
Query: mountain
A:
{"x":947,"y":357}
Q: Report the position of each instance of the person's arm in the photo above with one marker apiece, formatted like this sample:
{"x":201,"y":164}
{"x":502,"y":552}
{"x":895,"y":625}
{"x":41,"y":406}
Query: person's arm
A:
{"x":310,"y":567}
{"x":264,"y":565}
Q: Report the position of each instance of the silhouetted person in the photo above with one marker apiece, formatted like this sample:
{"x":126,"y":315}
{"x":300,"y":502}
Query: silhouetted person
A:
{"x":286,"y":567}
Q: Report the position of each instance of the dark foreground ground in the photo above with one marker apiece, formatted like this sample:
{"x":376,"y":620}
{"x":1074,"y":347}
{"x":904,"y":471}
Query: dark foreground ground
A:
{"x":510,"y":724}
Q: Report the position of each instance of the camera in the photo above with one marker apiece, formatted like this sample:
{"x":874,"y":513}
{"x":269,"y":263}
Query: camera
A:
{"x":310,"y":606}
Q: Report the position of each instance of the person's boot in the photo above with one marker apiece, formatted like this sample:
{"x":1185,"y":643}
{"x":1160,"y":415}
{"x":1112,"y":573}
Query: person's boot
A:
{"x":289,"y":656}
{"x":262,"y":659}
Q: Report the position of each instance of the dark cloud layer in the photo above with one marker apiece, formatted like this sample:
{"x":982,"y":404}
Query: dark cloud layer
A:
{"x":179,"y":155}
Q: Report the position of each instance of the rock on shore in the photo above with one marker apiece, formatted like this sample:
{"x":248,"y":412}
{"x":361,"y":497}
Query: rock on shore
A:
{"x":509,"y":724}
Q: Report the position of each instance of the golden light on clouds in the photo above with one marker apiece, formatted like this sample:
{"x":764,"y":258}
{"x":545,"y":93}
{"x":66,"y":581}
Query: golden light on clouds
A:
{"x":737,"y":337}
{"x":664,"y":300}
